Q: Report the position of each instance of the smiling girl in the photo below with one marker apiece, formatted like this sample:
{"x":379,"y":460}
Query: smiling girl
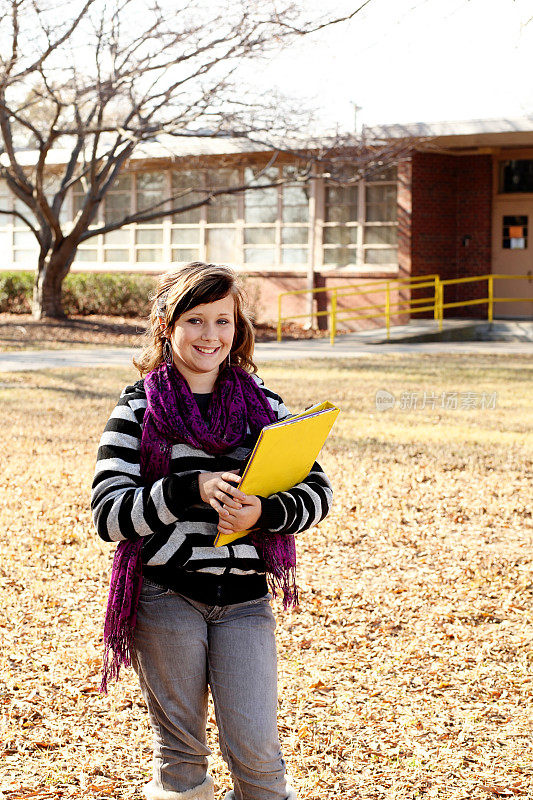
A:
{"x":187,"y":615}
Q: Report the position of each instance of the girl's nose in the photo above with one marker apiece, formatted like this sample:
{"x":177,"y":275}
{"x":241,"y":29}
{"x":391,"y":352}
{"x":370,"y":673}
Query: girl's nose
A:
{"x":209,"y":331}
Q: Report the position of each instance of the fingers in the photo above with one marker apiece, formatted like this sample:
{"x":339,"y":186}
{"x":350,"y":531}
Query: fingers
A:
{"x":228,"y":489}
{"x":219,"y":508}
{"x":225,"y":527}
{"x":229,"y":520}
{"x":233,"y":476}
{"x":221,"y":494}
{"x":224,"y":497}
{"x":225,"y":507}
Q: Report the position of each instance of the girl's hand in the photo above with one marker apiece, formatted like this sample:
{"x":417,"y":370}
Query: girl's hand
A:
{"x":232,"y":519}
{"x":216,"y":489}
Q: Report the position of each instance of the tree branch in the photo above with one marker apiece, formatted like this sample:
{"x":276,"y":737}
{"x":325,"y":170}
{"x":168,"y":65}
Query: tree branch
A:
{"x":24,"y":219}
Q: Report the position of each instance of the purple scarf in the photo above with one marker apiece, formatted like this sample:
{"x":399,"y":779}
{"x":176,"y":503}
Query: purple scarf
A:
{"x":173,"y":416}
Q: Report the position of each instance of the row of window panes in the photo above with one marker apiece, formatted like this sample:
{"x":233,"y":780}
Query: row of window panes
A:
{"x":253,"y":255}
{"x":261,"y":205}
{"x":373,"y":234}
{"x":188,"y":187}
{"x":379,"y":234}
{"x":333,"y":255}
{"x":259,"y":245}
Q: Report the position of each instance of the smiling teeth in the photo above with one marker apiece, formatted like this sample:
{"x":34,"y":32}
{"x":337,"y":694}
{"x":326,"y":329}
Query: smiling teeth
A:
{"x":207,"y":349}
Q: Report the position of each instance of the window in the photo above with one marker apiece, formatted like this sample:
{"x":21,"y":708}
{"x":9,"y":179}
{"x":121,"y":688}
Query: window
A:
{"x":18,"y":205}
{"x":185,"y":185}
{"x":360,"y":224}
{"x":380,"y":238}
{"x":4,"y":195}
{"x":5,"y":219}
{"x":224,"y":207}
{"x":51,"y":185}
{"x":380,"y":203}
{"x":514,"y":233}
{"x":276,"y":218}
{"x":186,"y":233}
{"x":88,"y":251}
{"x":85,"y":253}
{"x":185,"y":244}
{"x":117,"y":205}
{"x":294,"y":217}
{"x":148,"y":236}
{"x":117,"y":201}
{"x":25,"y":246}
{"x":222,"y":243}
{"x":341,"y":223}
{"x":516,"y":176}
{"x":151,"y":189}
{"x":261,"y":205}
{"x":261,"y":212}
{"x":262,"y":227}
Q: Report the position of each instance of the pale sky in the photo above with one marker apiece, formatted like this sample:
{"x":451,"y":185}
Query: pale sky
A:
{"x":413,"y":61}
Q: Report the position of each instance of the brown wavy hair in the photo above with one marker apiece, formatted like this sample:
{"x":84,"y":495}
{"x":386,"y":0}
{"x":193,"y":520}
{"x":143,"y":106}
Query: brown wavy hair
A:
{"x":184,"y":288}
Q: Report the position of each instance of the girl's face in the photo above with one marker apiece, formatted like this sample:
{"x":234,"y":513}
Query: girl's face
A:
{"x":201,"y":339}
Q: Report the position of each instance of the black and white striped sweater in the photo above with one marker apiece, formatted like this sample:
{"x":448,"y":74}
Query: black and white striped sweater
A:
{"x":178,"y":528}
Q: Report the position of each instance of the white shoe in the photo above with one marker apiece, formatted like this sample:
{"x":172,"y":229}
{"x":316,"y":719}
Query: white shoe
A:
{"x":205,"y":791}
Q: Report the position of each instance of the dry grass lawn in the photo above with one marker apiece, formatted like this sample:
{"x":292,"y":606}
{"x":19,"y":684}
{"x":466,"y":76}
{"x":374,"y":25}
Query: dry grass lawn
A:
{"x":406,"y":671}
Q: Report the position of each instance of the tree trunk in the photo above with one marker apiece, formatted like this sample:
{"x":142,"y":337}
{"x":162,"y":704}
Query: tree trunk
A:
{"x":48,"y":287}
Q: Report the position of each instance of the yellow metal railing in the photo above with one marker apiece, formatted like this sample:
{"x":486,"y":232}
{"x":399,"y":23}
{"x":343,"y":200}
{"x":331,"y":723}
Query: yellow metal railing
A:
{"x":490,"y":299}
{"x":348,"y":290}
{"x":434,"y":303}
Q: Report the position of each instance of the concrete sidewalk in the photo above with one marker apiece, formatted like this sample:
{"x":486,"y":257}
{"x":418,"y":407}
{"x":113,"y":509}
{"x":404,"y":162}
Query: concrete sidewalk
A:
{"x":346,"y":346}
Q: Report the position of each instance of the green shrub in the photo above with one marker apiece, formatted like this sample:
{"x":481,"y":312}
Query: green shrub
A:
{"x":15,"y":292}
{"x":112,"y":294}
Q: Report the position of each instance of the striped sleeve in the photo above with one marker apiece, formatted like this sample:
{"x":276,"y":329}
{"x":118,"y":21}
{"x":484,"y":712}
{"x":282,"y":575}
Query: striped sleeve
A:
{"x":123,"y":506}
{"x":301,"y":507}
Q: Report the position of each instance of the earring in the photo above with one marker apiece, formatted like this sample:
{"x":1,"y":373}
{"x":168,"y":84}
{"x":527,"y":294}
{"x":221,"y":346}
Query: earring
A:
{"x":229,"y":359}
{"x":167,"y":352}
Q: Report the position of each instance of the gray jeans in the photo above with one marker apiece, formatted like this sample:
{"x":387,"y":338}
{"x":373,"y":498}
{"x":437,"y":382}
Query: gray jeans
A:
{"x":181,"y":647}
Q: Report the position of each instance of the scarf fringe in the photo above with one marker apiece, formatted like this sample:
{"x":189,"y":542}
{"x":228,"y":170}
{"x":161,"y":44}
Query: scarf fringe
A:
{"x":279,"y":554}
{"x":287,"y":584}
{"x":121,"y":613}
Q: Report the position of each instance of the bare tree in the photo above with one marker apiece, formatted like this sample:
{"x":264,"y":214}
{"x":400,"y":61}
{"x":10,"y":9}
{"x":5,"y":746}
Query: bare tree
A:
{"x":100,"y":79}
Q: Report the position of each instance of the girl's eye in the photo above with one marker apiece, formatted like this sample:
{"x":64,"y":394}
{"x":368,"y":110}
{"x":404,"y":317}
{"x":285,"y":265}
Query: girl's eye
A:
{"x":223,"y":322}
{"x":194,"y":320}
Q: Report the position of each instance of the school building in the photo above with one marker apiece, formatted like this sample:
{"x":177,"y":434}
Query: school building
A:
{"x":458,"y":207}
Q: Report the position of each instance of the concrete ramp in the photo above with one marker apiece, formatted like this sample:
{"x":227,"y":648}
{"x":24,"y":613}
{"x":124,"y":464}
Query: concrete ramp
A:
{"x":453,"y":330}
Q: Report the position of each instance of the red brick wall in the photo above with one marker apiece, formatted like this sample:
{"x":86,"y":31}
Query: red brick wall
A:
{"x":474,"y":219}
{"x":434,"y":215}
{"x":451,"y":198}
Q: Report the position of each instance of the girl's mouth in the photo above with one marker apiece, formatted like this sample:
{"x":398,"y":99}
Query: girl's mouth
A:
{"x":208,"y":351}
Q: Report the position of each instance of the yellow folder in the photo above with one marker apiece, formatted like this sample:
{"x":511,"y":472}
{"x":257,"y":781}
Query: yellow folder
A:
{"x":284,"y":454}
